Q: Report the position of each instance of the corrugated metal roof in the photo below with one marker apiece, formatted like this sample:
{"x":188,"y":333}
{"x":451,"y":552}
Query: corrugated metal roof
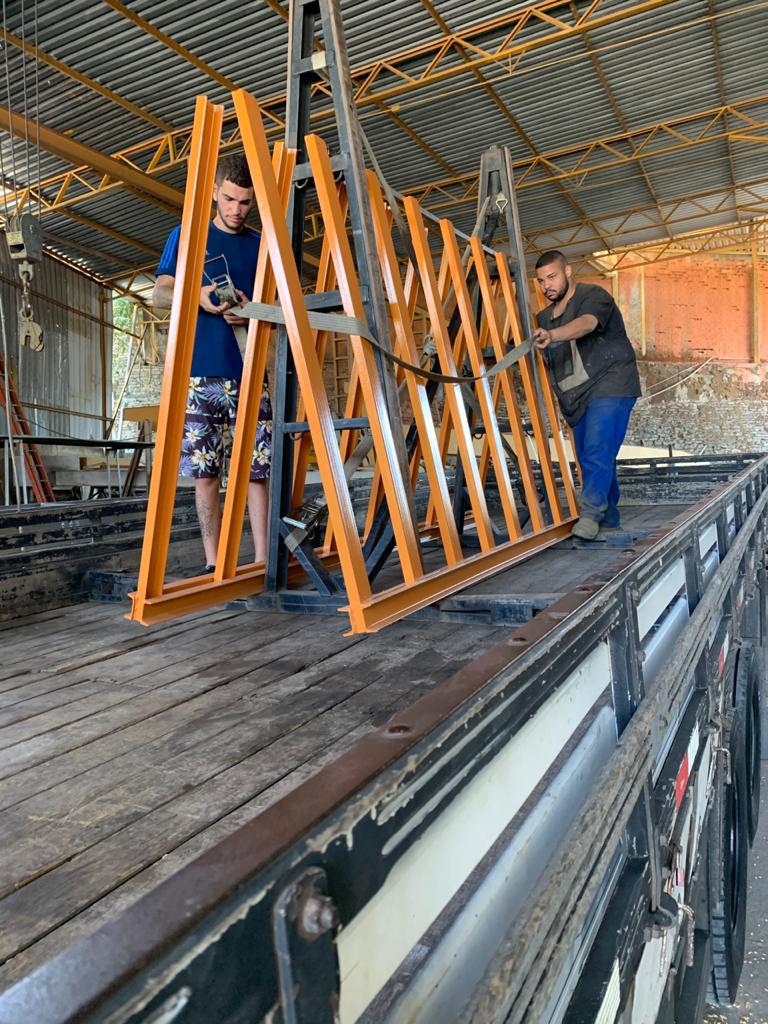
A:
{"x":680,"y":59}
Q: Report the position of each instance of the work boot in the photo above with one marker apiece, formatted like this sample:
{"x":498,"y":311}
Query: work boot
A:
{"x":612,"y":518}
{"x":585,"y":528}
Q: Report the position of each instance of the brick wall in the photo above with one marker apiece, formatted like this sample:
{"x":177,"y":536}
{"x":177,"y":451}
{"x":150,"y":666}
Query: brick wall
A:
{"x":697,"y":309}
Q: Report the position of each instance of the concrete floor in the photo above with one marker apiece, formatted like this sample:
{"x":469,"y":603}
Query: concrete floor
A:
{"x":752,"y":1003}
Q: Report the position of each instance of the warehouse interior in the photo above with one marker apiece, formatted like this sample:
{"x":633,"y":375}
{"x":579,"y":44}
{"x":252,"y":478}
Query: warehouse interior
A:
{"x":637,"y":134}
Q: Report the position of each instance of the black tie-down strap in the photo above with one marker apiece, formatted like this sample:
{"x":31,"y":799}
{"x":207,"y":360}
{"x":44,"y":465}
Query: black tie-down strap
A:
{"x":338,"y":323}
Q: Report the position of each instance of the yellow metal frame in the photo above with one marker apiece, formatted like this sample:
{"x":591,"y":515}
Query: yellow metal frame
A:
{"x":277,"y":278}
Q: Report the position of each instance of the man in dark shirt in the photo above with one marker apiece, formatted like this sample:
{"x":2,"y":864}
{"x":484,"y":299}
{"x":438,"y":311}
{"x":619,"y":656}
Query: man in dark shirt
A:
{"x":593,"y":370}
{"x":217,"y":363}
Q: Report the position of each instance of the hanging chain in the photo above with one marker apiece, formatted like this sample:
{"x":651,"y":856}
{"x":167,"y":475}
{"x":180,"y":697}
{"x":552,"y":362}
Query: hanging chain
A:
{"x":26,"y":282}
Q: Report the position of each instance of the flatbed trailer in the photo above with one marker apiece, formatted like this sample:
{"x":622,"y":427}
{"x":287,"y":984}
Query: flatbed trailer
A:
{"x":531,"y":803}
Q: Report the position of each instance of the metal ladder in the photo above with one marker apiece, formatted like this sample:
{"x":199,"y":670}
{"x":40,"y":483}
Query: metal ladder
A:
{"x":37,"y":476}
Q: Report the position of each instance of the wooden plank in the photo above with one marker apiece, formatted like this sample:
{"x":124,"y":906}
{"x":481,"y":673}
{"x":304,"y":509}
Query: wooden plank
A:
{"x":88,"y":621}
{"x":166,"y":725}
{"x":186,"y":682}
{"x":55,"y":897}
{"x":41,"y":678}
{"x":52,"y":826}
{"x":72,"y":656}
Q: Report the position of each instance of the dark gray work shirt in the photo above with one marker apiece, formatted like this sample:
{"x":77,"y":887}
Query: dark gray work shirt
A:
{"x":599,"y":365}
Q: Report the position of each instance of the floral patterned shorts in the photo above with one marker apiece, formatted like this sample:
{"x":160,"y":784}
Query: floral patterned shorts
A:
{"x":212,"y":405}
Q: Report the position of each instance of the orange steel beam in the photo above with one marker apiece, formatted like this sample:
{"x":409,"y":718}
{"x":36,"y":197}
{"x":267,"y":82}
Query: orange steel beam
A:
{"x":506,"y":386}
{"x":251,"y":387}
{"x":551,"y":405}
{"x":371,"y":386}
{"x":453,"y":398}
{"x":301,"y":339}
{"x":184,"y":597}
{"x":482,"y":388}
{"x":387,"y":607}
{"x":277,"y":272}
{"x":181,"y":338}
{"x":447,"y":426}
{"x":529,"y":386}
{"x":417,"y":393}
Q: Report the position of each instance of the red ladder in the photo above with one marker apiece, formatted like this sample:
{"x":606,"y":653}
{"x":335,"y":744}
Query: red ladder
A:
{"x":37,"y":476}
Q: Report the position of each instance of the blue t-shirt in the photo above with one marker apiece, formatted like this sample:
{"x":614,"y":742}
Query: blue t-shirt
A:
{"x":216,"y":350}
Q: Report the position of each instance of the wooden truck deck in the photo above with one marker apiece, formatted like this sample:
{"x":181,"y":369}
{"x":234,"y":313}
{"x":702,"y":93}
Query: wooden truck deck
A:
{"x":125,"y":752}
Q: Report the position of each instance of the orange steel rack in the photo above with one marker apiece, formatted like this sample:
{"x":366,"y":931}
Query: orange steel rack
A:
{"x":495,"y":316}
{"x":475,"y":304}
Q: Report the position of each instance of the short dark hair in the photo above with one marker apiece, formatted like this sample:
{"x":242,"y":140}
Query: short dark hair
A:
{"x":551,"y":256}
{"x":234,"y":167}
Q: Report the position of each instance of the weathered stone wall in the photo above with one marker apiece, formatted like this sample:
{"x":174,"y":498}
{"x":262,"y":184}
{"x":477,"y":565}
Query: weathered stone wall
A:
{"x":719,"y":407}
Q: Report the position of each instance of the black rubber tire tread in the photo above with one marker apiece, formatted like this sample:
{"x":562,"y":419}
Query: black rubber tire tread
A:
{"x":748,"y":700}
{"x":728,"y":863}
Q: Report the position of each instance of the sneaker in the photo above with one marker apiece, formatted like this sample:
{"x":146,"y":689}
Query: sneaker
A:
{"x":585,"y":528}
{"x":206,"y":570}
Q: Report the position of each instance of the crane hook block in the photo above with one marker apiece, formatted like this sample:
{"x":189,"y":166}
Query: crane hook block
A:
{"x":24,"y":237}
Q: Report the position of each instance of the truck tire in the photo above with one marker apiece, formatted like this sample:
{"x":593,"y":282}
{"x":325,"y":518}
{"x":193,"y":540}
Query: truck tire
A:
{"x":728,"y":858}
{"x":748,"y":704}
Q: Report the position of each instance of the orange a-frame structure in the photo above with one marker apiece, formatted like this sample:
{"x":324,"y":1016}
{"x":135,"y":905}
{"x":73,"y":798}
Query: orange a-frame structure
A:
{"x":437,"y":281}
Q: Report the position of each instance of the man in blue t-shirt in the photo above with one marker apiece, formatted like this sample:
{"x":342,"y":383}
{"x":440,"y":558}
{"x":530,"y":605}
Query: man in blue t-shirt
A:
{"x":593,"y":370}
{"x":217,"y":363}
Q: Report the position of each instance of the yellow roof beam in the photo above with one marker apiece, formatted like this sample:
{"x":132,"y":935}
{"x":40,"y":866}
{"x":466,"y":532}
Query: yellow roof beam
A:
{"x":84,"y":156}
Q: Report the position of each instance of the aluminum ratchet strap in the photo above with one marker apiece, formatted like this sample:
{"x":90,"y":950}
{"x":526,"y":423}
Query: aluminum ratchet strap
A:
{"x":338,"y":323}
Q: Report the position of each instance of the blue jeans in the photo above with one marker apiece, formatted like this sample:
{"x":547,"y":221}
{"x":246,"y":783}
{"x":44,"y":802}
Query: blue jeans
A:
{"x":598,"y":436}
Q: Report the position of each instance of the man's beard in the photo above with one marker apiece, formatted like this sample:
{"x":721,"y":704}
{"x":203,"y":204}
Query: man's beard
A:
{"x":561,"y":294}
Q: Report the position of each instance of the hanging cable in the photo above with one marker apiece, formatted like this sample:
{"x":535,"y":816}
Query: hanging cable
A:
{"x":6,"y":62}
{"x":25,"y":108}
{"x":3,"y":183}
{"x":671,"y":387}
{"x":3,"y":179}
{"x":37,"y":123}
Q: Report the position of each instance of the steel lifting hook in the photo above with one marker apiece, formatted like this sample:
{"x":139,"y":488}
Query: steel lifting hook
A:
{"x":24,"y":238}
{"x":30,"y":332}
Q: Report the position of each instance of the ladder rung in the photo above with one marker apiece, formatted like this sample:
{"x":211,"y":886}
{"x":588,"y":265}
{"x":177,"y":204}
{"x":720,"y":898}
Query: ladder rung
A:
{"x":301,"y":427}
{"x":324,"y":300}
{"x":304,"y":171}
